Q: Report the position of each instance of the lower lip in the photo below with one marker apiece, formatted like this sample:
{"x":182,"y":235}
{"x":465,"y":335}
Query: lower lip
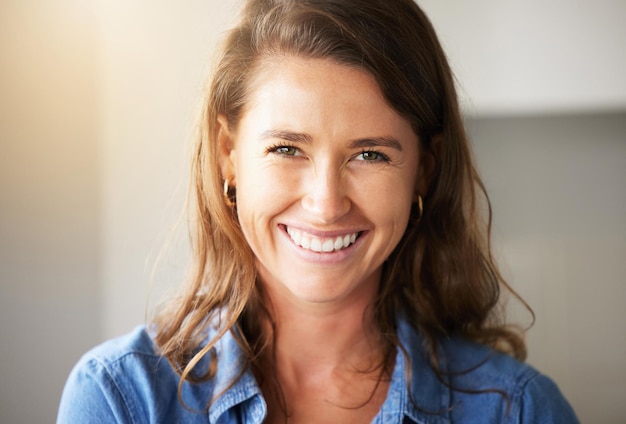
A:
{"x":335,"y":256}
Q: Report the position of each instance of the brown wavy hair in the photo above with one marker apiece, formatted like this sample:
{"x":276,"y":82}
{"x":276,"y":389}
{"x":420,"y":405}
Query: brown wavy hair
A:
{"x":441,"y":277}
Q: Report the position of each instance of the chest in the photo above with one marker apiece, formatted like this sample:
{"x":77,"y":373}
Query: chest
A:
{"x":361,"y":404}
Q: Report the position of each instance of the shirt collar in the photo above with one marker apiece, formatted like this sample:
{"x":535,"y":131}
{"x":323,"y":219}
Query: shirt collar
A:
{"x":427,"y":403}
{"x":425,"y":400}
{"x":243,"y":393}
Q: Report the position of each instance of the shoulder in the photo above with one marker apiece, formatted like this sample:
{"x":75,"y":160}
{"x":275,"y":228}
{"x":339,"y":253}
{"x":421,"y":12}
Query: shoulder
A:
{"x":123,"y":380}
{"x":483,"y":381}
{"x":137,"y":344}
{"x":124,"y":358}
{"x":479,"y":385}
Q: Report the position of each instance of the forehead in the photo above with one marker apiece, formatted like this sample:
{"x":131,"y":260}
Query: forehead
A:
{"x":318,"y":91}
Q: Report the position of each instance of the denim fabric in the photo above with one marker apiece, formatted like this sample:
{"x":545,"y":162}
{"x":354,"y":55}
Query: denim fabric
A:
{"x":126,"y":381}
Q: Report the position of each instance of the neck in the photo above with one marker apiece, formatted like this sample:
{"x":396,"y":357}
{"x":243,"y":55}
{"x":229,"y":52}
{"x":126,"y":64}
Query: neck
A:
{"x":332,"y":340}
{"x":329,"y":363}
{"x":326,"y":361}
{"x":318,"y":341}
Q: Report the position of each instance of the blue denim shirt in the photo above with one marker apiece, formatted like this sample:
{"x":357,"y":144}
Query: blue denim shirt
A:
{"x":126,"y":381}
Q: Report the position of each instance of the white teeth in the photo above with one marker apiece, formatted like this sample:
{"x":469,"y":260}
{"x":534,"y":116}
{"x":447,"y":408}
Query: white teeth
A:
{"x":316,"y":245}
{"x":328,"y":246}
{"x":319,"y":244}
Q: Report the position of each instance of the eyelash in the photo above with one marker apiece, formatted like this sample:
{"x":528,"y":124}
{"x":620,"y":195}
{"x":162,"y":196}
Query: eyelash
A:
{"x":381,"y":157}
{"x":276,"y":149}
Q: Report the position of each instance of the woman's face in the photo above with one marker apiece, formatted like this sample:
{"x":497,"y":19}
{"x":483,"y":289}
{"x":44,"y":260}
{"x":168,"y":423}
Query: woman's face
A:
{"x":326,"y":172}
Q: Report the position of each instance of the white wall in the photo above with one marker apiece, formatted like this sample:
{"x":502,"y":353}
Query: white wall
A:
{"x":50,"y":279}
{"x":97,"y":102}
{"x":534,"y":55}
{"x":559,"y":203}
{"x":154,"y":61}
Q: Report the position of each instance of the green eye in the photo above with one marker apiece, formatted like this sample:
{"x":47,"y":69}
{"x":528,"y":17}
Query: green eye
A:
{"x":287,"y":150}
{"x":283,"y":150}
{"x":371,"y":156}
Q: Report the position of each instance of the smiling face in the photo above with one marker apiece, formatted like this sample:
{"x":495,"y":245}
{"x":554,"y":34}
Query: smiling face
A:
{"x":326,"y":173}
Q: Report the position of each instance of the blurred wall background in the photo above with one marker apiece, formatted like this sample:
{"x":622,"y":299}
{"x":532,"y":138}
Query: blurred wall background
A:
{"x":97,"y":107}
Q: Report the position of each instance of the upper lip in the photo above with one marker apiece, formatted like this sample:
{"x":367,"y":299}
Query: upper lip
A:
{"x":326,"y":233}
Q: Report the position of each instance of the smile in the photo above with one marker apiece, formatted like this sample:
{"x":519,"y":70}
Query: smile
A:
{"x":321,"y":244}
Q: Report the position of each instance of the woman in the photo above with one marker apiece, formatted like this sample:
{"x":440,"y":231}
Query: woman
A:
{"x":343,"y":272}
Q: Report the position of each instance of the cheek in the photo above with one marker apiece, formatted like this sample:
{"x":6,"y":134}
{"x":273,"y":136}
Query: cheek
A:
{"x":385,"y":195}
{"x":263,"y":186}
{"x":261,"y":195}
{"x":392,"y":214}
{"x":251,"y":219}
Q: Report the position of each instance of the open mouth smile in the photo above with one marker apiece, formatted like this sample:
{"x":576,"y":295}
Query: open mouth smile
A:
{"x":321,"y":244}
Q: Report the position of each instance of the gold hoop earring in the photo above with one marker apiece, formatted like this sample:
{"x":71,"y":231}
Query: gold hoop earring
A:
{"x":229,"y":196}
{"x":420,"y":207}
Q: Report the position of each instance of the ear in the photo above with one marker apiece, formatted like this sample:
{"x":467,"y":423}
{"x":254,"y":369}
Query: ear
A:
{"x":225,"y":149}
{"x":427,"y":166}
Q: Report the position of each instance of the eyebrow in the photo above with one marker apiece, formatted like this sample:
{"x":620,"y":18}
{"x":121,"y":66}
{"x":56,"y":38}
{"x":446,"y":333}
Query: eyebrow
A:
{"x":298,"y":137}
{"x":376,"y":142}
{"x":292,"y":136}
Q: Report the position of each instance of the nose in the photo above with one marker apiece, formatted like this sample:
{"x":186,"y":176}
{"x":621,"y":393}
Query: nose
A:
{"x":325,"y":197}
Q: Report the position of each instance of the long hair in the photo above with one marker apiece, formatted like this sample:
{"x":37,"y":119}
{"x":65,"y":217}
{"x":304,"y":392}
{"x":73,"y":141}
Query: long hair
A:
{"x":441,"y":277}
